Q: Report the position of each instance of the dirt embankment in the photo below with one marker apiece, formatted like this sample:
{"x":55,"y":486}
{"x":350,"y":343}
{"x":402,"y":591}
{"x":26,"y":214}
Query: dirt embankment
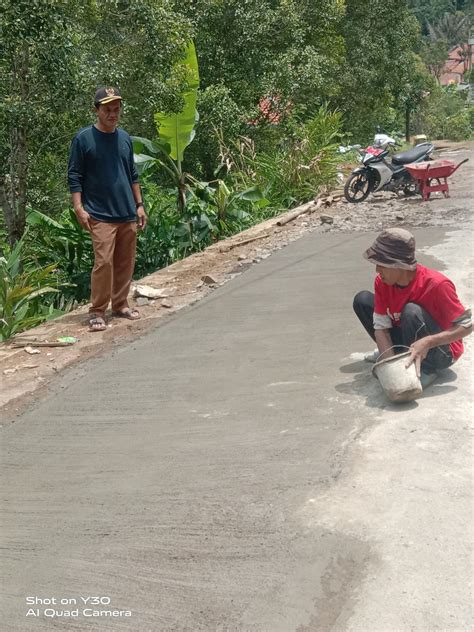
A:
{"x":23,"y":374}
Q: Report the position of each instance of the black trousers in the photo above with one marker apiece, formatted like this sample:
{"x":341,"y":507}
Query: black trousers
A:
{"x":415,"y":323}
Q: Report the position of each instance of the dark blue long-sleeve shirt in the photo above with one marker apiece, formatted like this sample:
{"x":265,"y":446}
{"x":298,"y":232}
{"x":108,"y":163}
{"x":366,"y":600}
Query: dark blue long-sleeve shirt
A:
{"x":101,"y":167}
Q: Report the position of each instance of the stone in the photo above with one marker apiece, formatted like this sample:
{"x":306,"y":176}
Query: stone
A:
{"x":241,"y":257}
{"x":326,"y":219}
{"x":166,"y":304}
{"x":141,"y":300}
{"x":208,"y":279}
{"x":151,"y":292}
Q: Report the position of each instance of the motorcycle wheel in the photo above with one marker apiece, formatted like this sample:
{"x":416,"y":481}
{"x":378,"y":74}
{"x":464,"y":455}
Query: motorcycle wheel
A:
{"x":411,"y":189}
{"x":357,"y":187}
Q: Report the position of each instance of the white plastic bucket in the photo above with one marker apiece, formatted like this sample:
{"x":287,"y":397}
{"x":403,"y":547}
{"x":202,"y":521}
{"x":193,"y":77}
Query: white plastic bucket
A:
{"x":400,"y":383}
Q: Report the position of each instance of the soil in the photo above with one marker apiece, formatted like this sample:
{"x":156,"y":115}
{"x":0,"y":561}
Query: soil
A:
{"x":23,"y":376}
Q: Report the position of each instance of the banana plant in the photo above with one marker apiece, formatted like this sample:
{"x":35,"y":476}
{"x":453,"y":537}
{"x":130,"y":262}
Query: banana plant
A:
{"x":20,"y":290}
{"x":227,"y":202}
{"x":176,"y":130}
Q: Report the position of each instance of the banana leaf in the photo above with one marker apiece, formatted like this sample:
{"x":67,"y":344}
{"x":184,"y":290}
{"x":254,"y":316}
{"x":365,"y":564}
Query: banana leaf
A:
{"x":177,"y":129}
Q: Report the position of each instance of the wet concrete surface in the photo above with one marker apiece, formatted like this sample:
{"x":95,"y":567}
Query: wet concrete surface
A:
{"x":238,"y":468}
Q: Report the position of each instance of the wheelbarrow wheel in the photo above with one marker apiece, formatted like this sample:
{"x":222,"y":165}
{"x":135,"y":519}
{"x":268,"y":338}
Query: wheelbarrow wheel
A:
{"x":357,"y":187}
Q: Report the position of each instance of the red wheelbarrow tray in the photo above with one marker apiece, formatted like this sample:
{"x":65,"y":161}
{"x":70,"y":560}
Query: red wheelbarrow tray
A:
{"x":426,"y":172}
{"x":432,"y":169}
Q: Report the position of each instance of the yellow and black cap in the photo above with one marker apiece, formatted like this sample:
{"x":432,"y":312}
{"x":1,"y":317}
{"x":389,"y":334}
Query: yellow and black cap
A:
{"x":106,"y":95}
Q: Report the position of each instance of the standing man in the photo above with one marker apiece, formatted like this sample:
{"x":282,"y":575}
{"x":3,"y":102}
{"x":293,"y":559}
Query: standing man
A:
{"x":412,"y":306}
{"x":107,"y":200}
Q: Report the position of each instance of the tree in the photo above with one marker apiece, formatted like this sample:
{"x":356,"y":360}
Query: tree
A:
{"x":55,"y":55}
{"x":430,"y":11}
{"x":451,"y":28}
{"x":434,"y":55}
{"x":379,"y":38}
{"x":418,"y":87}
{"x":287,"y":51}
{"x":37,"y":79}
{"x":263,"y":47}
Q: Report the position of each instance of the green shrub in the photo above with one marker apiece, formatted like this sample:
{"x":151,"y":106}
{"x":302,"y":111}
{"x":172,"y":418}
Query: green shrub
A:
{"x":444,"y":114}
{"x":25,"y":292}
{"x":220,"y":120}
{"x":212,"y":211}
{"x":65,"y":242}
{"x":298,"y":170}
{"x":458,"y":126}
{"x":470,"y":113}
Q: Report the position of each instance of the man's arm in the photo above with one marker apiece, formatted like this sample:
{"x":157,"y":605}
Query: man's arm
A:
{"x":419,"y":349}
{"x":82,"y":215}
{"x":141,"y":215}
{"x":75,"y":174}
{"x":384,"y":342}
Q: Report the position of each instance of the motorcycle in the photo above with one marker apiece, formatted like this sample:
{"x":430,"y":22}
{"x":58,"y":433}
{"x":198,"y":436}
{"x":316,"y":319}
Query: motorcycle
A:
{"x":379,"y":174}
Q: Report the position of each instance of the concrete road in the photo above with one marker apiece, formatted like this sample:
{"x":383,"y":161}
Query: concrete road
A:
{"x":239,"y":469}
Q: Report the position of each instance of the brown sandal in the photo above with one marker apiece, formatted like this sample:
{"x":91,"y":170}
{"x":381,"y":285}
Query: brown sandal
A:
{"x":96,"y":323}
{"x":129,"y":314}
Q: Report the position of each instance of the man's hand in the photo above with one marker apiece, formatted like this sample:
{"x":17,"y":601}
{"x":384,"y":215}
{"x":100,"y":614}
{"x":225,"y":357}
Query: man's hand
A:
{"x":141,"y":218}
{"x":419,"y":351}
{"x":83,"y":218}
{"x":384,"y":343}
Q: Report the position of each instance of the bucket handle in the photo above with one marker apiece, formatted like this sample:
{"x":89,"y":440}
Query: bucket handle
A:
{"x":392,"y":347}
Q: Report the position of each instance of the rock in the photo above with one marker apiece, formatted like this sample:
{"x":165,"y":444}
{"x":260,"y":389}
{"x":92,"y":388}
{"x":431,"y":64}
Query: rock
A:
{"x":400,"y":217}
{"x":141,"y":300}
{"x":200,"y":284}
{"x":326,"y":219}
{"x":31,"y":350}
{"x":151,"y":292}
{"x":241,"y":257}
{"x":208,"y":280}
{"x":8,"y":371}
{"x":166,"y":304}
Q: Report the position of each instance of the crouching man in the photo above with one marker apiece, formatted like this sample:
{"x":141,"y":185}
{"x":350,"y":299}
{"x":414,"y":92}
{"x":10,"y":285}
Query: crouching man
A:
{"x":412,"y":306}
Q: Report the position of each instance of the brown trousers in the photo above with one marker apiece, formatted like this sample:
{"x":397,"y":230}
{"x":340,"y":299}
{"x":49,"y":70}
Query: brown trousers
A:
{"x":114,"y":262}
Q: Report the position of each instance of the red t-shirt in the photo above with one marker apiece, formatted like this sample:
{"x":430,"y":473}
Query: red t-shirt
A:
{"x":432,"y":291}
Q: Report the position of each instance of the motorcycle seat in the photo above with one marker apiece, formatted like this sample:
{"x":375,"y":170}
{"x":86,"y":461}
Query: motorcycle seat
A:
{"x":412,"y":155}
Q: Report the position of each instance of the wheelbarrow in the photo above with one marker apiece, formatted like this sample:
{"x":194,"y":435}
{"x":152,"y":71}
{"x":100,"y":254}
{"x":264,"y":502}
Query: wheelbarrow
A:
{"x":432,"y":176}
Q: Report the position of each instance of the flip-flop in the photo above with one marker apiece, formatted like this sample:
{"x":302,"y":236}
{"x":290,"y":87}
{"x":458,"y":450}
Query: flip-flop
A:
{"x":129,"y":314}
{"x":96,"y":323}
